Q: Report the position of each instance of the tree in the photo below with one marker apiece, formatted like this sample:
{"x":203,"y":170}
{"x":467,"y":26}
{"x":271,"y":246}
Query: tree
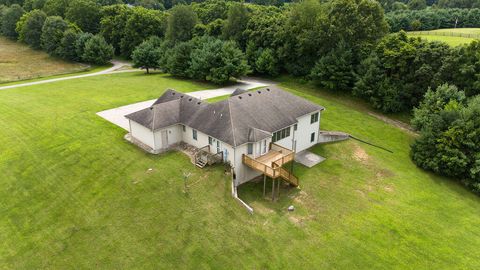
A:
{"x":80,"y":42}
{"x":30,"y":5}
{"x":141,"y":24}
{"x":449,"y":143}
{"x":147,"y":54}
{"x":177,"y":60}
{"x":417,"y":4}
{"x":85,"y":14}
{"x":216,"y":61}
{"x":181,"y":23}
{"x":399,"y":71}
{"x":335,"y":71}
{"x":210,"y":10}
{"x":97,"y":51}
{"x":56,"y":7}
{"x":113,"y":24}
{"x":67,"y":49}
{"x":150,"y":4}
{"x":435,"y":102}
{"x":30,"y":31}
{"x":10,"y":17}
{"x":236,"y":23}
{"x":52,"y":34}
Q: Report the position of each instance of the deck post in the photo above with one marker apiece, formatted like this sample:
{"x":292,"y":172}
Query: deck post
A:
{"x":264,"y":184}
{"x":278,"y":188}
{"x":273,"y":189}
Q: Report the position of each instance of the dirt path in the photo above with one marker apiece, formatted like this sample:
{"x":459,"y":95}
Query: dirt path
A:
{"x":401,"y":125}
{"x":117,"y":65}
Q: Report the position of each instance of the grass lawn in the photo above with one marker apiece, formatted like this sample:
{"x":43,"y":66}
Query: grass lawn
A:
{"x":20,"y":62}
{"x":451,"y":36}
{"x":75,"y":194}
{"x":451,"y":41}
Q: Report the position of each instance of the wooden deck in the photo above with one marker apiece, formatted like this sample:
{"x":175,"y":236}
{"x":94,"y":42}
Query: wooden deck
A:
{"x":271,"y":163}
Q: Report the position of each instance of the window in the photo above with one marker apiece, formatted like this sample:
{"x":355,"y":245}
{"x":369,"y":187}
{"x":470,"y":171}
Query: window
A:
{"x":210,"y":140}
{"x":184,"y":128}
{"x":281,"y":134}
{"x":295,"y":127}
{"x":249,"y":148}
{"x":314,"y":118}
{"x":312,"y":137}
{"x":194,"y":134}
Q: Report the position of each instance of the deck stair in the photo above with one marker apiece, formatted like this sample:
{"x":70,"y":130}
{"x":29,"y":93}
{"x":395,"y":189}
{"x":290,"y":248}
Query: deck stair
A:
{"x":203,"y":157}
{"x":200,"y":163}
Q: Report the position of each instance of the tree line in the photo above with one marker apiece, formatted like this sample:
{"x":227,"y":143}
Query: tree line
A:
{"x":433,"y":18}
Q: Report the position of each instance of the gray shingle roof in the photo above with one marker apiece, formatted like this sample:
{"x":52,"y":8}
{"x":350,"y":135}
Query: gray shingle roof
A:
{"x":245,"y":117}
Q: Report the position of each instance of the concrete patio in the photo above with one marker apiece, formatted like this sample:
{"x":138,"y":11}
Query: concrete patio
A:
{"x":308,"y":158}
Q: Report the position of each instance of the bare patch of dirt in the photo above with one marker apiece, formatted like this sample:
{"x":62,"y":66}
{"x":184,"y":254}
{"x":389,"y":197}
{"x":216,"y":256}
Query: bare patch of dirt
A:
{"x":298,"y":220}
{"x":360,"y":155}
{"x":384,"y":173}
{"x":389,"y":188}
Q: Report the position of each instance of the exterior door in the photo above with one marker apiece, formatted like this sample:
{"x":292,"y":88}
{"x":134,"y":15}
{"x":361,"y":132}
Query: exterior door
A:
{"x":225,"y":155}
{"x":164,"y":138}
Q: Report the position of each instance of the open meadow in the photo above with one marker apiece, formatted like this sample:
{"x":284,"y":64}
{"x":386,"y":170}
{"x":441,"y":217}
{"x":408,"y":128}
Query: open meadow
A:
{"x":20,"y":62}
{"x":75,"y":194}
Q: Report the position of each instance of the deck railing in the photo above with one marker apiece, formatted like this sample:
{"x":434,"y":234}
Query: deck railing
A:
{"x":275,"y":171}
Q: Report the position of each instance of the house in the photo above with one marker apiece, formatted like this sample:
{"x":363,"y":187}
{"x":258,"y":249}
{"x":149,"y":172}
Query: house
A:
{"x":256,"y":132}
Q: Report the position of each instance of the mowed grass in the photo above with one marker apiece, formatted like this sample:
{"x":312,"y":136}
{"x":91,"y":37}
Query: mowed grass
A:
{"x":75,"y":194}
{"x":451,"y":41}
{"x":452,"y":36}
{"x":20,"y":62}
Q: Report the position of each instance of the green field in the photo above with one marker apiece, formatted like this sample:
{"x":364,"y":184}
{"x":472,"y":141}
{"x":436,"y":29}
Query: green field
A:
{"x":75,"y":194}
{"x":20,"y":62}
{"x":452,"y":36}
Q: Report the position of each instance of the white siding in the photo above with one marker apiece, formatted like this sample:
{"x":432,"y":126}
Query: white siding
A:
{"x":243,"y":173}
{"x":142,"y":134}
{"x":287,"y":142}
{"x":304,"y":131}
{"x":173,"y":134}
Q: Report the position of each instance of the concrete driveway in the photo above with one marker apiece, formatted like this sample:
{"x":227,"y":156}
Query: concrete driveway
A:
{"x":117,"y":115}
